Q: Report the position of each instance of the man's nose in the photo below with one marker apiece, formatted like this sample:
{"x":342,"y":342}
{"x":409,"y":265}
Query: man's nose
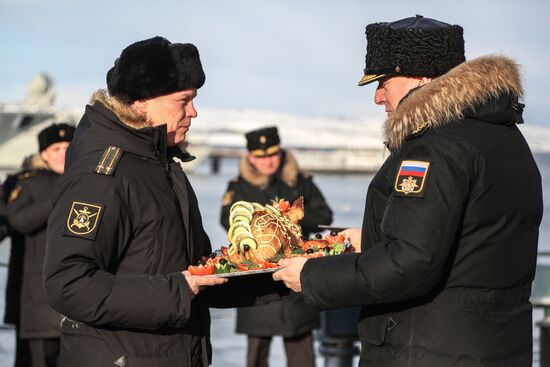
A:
{"x":191,"y":110}
{"x":379,"y":96}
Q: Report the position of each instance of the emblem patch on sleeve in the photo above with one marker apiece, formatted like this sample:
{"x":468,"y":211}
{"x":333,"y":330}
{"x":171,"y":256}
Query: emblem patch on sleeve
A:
{"x":83,"y":220}
{"x":228,"y":197}
{"x":14,"y":194}
{"x":411,"y":178}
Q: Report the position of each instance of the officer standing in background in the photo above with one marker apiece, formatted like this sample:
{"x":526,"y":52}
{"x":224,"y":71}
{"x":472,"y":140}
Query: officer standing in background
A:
{"x":31,"y":164}
{"x":267,"y":172}
{"x":15,"y":270}
{"x":450,"y":232}
{"x":28,"y":209}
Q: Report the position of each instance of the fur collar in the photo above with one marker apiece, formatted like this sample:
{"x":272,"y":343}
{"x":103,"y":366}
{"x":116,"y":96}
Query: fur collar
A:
{"x":36,"y":163}
{"x":449,"y":96}
{"x":288,"y":172}
{"x":124,"y":111}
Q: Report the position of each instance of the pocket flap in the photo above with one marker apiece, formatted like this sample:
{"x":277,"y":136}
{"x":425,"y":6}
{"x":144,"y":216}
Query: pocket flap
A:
{"x":373,"y":329}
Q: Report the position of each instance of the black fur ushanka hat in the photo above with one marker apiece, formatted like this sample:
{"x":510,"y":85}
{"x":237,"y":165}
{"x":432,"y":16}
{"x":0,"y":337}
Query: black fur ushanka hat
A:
{"x":415,"y":46}
{"x":154,"y":67}
{"x":55,"y":133}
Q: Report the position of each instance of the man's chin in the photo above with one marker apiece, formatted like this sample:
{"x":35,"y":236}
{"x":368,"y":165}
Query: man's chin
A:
{"x":176,"y":139}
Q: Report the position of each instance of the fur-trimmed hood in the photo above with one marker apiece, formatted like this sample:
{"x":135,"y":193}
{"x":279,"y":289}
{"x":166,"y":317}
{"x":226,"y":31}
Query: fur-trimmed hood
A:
{"x":449,"y":97}
{"x":288,"y":172}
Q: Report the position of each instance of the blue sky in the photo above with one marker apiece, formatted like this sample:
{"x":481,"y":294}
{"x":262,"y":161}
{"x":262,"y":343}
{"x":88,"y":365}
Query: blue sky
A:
{"x":300,"y":57}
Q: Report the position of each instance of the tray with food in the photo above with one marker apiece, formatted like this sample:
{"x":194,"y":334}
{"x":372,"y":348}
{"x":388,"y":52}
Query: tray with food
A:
{"x":260,"y":235}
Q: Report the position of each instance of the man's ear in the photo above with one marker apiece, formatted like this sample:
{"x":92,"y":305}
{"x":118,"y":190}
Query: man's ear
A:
{"x":250,"y":158}
{"x":140,"y":106}
{"x":425,"y":80}
{"x":43,"y":155}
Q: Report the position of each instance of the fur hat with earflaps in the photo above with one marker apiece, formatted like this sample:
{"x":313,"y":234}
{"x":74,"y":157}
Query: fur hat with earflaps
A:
{"x":154,"y":67}
{"x":55,"y":133}
{"x":415,"y":46}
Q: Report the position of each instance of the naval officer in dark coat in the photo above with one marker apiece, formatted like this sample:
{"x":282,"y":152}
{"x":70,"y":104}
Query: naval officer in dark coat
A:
{"x":126,"y":223}
{"x":451,"y":223}
{"x":267,"y":171}
{"x":30,"y":204}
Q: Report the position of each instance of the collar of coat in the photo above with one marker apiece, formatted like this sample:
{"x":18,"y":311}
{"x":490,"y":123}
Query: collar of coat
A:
{"x":133,"y":120}
{"x":448,"y":97}
{"x":288,"y":172}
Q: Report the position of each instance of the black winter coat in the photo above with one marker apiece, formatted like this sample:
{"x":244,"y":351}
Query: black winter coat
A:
{"x":17,"y":250}
{"x":117,"y":243}
{"x":28,"y":212}
{"x":449,"y":249}
{"x":292,"y":316}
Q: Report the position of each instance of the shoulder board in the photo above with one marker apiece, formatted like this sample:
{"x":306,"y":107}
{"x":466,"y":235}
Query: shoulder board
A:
{"x":109,"y":161}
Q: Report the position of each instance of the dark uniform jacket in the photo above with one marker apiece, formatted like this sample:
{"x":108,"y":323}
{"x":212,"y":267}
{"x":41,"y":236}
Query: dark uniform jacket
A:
{"x":449,"y":249}
{"x":290,"y":317}
{"x":125,"y":225}
{"x":28,"y":210}
{"x":17,"y":248}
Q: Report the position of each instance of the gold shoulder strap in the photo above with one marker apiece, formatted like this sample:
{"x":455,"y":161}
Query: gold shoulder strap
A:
{"x":109,"y":160}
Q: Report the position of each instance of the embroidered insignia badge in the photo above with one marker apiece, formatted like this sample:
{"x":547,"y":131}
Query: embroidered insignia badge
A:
{"x":411,"y":178}
{"x":83,"y":219}
{"x":14,"y":194}
{"x":228,"y":198}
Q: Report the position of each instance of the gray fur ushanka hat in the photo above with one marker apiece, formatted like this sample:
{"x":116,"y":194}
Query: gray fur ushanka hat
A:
{"x":154,"y":67}
{"x":415,"y":46}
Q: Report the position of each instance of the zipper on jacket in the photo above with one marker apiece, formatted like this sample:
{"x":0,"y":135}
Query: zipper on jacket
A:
{"x":167,"y":169}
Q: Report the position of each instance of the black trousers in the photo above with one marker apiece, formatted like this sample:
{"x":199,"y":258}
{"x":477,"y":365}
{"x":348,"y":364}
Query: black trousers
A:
{"x":299,"y":351}
{"x":22,"y":351}
{"x":44,"y":352}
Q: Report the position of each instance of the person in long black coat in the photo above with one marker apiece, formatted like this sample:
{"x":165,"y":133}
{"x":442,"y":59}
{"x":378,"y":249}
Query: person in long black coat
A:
{"x":267,"y":172}
{"x":28,"y":209}
{"x":127,"y":224}
{"x":12,"y":301}
{"x":450,"y":231}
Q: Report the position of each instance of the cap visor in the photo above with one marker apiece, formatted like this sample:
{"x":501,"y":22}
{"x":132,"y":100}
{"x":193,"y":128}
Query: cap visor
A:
{"x":366,"y":79}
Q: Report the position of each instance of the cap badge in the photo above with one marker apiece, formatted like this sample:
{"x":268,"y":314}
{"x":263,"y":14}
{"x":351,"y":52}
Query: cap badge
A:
{"x":263,"y":139}
{"x":62,"y":133}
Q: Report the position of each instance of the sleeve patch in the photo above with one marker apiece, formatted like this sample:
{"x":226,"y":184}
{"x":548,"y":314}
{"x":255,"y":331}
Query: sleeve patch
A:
{"x":411,"y":178}
{"x":83,"y":220}
{"x":14,"y":194}
{"x":228,"y":198}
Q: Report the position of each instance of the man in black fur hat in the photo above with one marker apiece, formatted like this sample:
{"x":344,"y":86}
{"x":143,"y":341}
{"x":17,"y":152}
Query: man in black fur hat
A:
{"x":268,"y":171}
{"x":450,"y":232}
{"x":127,"y":223}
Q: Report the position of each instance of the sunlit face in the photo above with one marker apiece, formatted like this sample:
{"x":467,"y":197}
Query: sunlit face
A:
{"x":175,"y":110}
{"x":267,"y":165}
{"x":54,"y":156}
{"x":391,"y":90}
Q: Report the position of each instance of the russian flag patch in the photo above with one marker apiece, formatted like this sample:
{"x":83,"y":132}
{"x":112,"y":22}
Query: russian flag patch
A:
{"x":411,"y":178}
